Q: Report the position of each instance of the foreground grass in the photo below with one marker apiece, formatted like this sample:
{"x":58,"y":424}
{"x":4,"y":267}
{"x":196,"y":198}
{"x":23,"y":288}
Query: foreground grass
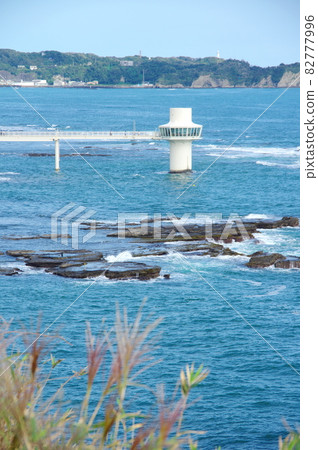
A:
{"x":28,"y":420}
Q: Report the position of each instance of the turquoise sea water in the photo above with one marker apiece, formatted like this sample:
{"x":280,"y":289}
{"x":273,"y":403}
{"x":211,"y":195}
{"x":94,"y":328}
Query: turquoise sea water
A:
{"x":250,"y":389}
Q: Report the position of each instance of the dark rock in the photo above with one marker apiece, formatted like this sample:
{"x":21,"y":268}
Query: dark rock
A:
{"x":130,"y":270}
{"x":117,"y":271}
{"x":264,"y":260}
{"x":208,"y":248}
{"x":167,"y":276}
{"x":199,"y":246}
{"x":288,"y":263}
{"x":41,"y":236}
{"x":169,"y":232}
{"x":85,"y":264}
{"x":78,"y":270}
{"x":159,"y":219}
{"x":65,"y":265}
{"x":38,"y":154}
{"x":28,"y":253}
{"x":65,"y":155}
{"x":55,"y":236}
{"x":150,"y":253}
{"x":289,"y":222}
{"x":257,"y":254}
{"x":54,"y":259}
{"x":20,"y":253}
{"x":88,"y":225}
{"x":269,"y":224}
{"x":9,"y":271}
{"x":229,"y":252}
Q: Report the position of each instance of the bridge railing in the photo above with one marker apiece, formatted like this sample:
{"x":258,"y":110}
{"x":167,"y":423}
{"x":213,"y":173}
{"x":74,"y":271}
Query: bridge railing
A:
{"x":65,"y":134}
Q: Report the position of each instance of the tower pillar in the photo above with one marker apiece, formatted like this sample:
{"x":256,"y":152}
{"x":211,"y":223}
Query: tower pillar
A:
{"x":57,"y":154}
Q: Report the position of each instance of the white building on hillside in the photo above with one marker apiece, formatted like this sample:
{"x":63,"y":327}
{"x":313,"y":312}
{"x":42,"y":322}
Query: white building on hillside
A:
{"x":126,"y":63}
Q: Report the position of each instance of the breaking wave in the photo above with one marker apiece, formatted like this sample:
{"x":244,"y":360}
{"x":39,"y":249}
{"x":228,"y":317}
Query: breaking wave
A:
{"x":121,"y":257}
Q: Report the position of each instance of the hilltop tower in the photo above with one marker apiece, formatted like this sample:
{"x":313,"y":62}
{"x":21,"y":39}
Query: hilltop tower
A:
{"x":180,"y":131}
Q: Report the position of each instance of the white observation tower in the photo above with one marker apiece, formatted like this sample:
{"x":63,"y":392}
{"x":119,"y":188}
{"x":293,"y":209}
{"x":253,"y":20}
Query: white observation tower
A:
{"x":180,"y":131}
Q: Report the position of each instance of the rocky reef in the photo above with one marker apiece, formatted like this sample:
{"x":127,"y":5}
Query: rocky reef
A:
{"x":152,"y":236}
{"x":171,"y":230}
{"x":82,"y":264}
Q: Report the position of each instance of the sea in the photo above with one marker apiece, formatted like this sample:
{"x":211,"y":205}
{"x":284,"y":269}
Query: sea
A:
{"x":242,"y":324}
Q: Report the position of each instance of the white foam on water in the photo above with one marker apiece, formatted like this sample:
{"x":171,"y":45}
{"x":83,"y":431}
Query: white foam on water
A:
{"x":279,"y":151}
{"x":267,"y":163}
{"x":236,"y":258}
{"x":279,"y":240}
{"x":277,"y":237}
{"x":273,"y":164}
{"x":277,"y":290}
{"x":266,"y":239}
{"x":253,"y":283}
{"x":259,"y":216}
{"x":275,"y":269}
{"x":247,"y":151}
{"x":26,"y":270}
{"x":9,"y":173}
{"x":4,"y":179}
{"x":199,"y":219}
{"x":223,"y":156}
{"x":121,"y":257}
{"x":101,"y":279}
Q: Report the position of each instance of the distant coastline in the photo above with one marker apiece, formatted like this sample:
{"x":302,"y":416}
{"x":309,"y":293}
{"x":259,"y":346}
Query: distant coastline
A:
{"x":147,"y":87}
{"x":85,"y":70}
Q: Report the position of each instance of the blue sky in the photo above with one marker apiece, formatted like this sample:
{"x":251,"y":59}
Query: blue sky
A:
{"x":262,"y":32}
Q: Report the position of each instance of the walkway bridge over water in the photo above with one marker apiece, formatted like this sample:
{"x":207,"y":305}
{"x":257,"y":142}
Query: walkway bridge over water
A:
{"x":180,"y":131}
{"x":57,"y":136}
{"x":43,"y":136}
